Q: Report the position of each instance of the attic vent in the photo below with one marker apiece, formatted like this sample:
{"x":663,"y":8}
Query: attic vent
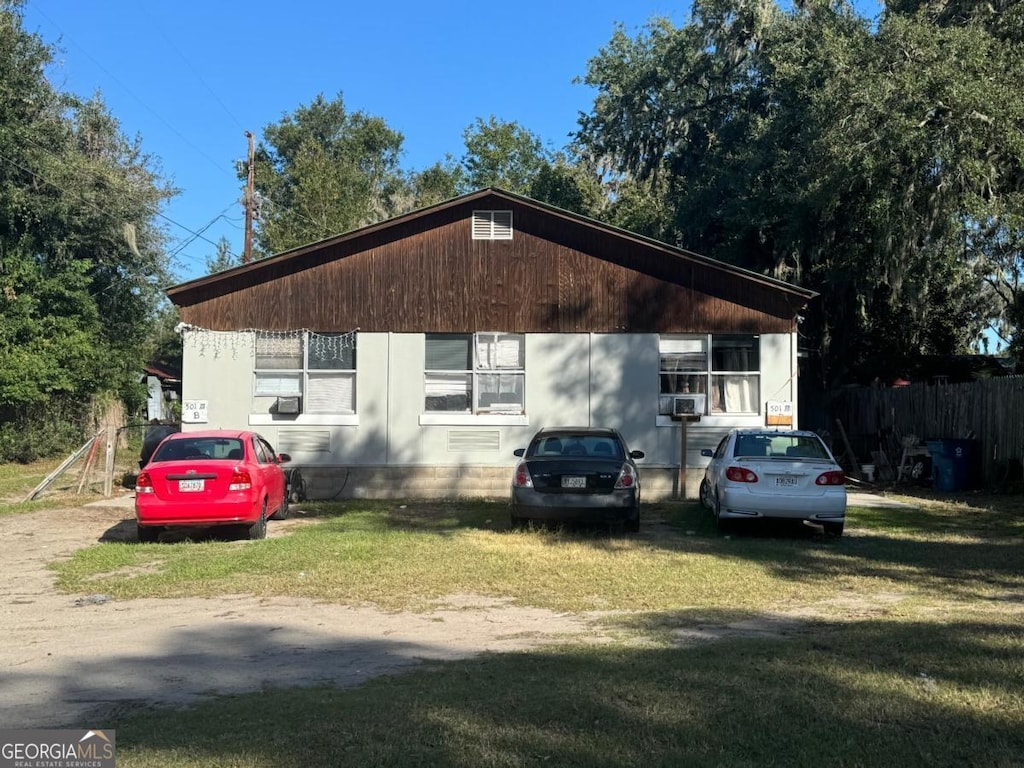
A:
{"x":492,"y":225}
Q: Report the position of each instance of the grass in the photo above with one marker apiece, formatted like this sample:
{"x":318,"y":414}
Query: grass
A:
{"x":17,"y":481}
{"x":899,"y":644}
{"x":872,"y":692}
{"x":407,"y":556}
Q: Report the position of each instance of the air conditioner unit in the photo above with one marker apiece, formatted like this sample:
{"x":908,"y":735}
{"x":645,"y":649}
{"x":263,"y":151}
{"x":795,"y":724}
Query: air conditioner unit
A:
{"x":688,"y":405}
{"x":289,"y":405}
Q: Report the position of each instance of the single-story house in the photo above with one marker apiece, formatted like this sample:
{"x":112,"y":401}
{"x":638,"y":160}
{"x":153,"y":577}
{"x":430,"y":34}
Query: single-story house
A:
{"x":411,"y":357}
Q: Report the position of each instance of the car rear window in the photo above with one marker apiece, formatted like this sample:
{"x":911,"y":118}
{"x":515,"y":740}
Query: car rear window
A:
{"x":592,"y":446}
{"x":227,"y":448}
{"x":784,"y":446}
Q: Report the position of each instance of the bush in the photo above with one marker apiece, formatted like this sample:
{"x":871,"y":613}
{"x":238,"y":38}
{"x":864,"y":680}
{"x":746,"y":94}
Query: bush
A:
{"x":53,"y":431}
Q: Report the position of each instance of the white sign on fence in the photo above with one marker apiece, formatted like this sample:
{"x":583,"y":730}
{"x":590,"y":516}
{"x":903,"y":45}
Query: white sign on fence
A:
{"x":193,"y":411}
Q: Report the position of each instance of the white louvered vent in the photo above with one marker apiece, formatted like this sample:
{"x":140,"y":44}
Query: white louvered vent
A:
{"x":492,"y":225}
{"x":295,"y":441}
{"x":473,"y":440}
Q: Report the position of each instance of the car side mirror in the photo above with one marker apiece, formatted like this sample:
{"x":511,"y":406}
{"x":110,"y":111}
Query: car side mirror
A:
{"x":283,"y":457}
{"x":520,"y":452}
{"x":636,"y":454}
{"x":707,"y":452}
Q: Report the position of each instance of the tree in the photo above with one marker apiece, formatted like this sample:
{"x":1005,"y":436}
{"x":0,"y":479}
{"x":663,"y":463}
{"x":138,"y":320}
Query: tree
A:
{"x":321,"y":171}
{"x":810,"y":145}
{"x":502,"y":154}
{"x":81,"y":263}
{"x":441,"y":181}
{"x":569,"y":183}
{"x":223,"y":259}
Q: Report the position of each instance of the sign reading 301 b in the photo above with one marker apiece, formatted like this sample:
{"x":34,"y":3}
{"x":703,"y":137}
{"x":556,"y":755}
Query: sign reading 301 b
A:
{"x":193,"y":411}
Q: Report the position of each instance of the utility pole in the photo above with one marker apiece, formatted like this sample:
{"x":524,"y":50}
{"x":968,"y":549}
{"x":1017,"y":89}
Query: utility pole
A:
{"x":249,"y":201}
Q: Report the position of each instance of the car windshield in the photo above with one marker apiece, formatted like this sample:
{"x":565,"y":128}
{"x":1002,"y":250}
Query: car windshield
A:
{"x":582,"y":445}
{"x":780,"y":446}
{"x":227,"y":448}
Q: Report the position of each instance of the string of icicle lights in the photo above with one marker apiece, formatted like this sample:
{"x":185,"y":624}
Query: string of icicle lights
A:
{"x":325,"y":346}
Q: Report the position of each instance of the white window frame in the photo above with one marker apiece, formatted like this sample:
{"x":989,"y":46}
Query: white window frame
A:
{"x":708,"y":378}
{"x":492,"y":225}
{"x":514,"y":413}
{"x":302,"y":375}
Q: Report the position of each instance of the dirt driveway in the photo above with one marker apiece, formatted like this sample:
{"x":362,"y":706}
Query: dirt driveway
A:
{"x":83,"y":660}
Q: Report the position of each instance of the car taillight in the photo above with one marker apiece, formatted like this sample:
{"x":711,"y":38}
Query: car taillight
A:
{"x":240,"y":481}
{"x":833,"y":477}
{"x":741,"y":475}
{"x":144,"y":483}
{"x":522,"y":478}
{"x":626,"y":478}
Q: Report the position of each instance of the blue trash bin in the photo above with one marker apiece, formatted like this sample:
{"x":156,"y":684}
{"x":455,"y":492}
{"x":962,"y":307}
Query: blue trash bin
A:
{"x":951,"y":463}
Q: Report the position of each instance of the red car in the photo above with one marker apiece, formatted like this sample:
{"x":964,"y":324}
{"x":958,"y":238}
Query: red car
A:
{"x":210,"y":478}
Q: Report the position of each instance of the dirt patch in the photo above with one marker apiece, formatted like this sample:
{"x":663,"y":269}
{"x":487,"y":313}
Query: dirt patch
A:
{"x":78,"y":660}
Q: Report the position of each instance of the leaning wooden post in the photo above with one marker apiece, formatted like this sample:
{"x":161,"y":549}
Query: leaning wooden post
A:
{"x":108,"y":474}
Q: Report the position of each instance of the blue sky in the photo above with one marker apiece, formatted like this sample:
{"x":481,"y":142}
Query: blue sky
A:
{"x":190,"y":77}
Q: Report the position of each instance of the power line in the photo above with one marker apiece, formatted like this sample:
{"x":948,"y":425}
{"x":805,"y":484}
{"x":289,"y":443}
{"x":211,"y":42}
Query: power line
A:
{"x":131,"y":93}
{"x":188,"y":62}
{"x":102,"y":177}
{"x":198,"y":234}
{"x":93,"y":205}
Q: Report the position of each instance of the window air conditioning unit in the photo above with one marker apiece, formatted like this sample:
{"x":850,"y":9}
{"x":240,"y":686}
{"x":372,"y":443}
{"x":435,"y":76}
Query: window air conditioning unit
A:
{"x":688,"y":405}
{"x":289,"y":405}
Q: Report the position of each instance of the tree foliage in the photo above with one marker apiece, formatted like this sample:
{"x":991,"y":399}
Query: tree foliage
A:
{"x":324,"y":170}
{"x":81,"y":262}
{"x":877,"y":164}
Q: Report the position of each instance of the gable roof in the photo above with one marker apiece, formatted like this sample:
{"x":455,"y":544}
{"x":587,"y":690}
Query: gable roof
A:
{"x":672,"y":258}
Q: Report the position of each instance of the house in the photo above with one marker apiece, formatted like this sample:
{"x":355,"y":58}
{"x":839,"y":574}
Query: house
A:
{"x":411,"y":357}
{"x":163,"y":385}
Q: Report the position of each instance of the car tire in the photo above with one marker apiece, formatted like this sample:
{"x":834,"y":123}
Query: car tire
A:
{"x":705,"y":495}
{"x":721,"y":523}
{"x":149,"y":534}
{"x":282,"y":511}
{"x":258,"y":530}
{"x":633,"y":524}
{"x":833,"y":529}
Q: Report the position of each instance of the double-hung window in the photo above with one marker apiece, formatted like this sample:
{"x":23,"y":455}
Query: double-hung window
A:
{"x":710,"y":373}
{"x":479,"y":373}
{"x":304,"y":372}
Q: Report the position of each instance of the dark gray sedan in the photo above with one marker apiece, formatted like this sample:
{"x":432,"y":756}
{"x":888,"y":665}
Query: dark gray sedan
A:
{"x":577,"y":474}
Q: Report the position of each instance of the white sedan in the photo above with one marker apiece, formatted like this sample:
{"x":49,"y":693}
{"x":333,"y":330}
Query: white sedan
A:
{"x":774,"y":474}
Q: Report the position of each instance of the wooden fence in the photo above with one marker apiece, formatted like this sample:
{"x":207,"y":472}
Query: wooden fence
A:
{"x":990,"y":411}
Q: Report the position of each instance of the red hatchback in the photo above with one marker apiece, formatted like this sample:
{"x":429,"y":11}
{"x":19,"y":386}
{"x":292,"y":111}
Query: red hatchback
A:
{"x":210,"y":478}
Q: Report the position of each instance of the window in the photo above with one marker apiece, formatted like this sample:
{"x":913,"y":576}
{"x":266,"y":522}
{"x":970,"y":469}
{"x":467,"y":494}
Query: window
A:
{"x":735,"y":374}
{"x":475,"y":373}
{"x":304,"y":372}
{"x":492,"y":225}
{"x":728,"y":380}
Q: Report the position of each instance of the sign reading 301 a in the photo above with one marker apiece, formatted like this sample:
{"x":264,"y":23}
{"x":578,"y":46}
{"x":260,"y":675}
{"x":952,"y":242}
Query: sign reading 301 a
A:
{"x":193,"y":411}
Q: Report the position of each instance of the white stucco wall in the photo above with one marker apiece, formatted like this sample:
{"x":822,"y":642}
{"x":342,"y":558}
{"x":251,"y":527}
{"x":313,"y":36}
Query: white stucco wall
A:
{"x":571,"y":379}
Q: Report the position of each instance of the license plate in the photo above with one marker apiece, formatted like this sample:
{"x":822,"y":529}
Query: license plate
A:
{"x":785,"y":482}
{"x":190,"y":485}
{"x":574,"y":482}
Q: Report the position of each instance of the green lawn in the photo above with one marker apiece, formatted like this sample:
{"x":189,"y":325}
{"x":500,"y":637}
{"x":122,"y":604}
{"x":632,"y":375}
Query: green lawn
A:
{"x":901,"y":642}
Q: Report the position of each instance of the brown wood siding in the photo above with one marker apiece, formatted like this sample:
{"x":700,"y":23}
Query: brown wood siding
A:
{"x":429,"y":275}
